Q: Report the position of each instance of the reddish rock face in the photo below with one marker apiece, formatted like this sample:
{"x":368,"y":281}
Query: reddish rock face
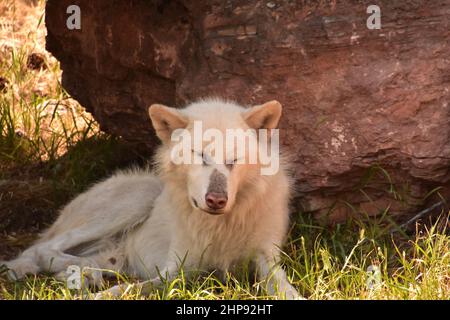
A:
{"x":366,"y":112}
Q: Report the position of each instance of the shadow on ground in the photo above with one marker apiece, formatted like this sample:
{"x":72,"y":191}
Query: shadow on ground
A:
{"x":32,"y":193}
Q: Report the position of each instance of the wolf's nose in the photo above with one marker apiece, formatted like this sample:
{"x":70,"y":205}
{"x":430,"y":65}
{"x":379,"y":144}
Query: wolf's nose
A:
{"x":216,"y":200}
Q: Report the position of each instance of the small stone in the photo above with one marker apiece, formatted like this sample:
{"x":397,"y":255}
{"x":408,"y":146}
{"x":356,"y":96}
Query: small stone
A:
{"x":36,"y":61}
{"x":3,"y":84}
{"x":19,"y":133}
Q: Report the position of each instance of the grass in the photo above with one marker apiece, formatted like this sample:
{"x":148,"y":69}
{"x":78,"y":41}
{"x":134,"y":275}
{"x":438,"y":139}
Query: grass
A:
{"x":51,"y":149}
{"x":323,"y":263}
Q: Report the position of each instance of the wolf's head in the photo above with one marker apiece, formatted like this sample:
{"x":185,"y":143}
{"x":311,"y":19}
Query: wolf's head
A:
{"x":214,"y":149}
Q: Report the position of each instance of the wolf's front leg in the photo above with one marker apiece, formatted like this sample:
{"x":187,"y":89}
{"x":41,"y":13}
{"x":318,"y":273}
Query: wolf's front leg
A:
{"x":144,"y":287}
{"x":273,"y":273}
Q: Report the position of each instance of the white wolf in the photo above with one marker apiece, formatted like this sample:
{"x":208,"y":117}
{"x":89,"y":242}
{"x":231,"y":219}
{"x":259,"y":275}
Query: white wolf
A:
{"x":207,"y":216}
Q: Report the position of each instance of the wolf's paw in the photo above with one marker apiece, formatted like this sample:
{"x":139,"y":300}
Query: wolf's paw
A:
{"x":90,"y":276}
{"x":3,"y":267}
{"x":94,"y":276}
{"x":19,"y":268}
{"x":291,"y":294}
{"x":286,"y":291}
{"x":113,"y":292}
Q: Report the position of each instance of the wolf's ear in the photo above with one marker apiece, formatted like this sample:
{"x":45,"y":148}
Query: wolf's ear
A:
{"x":165,"y":120}
{"x":265,"y":116}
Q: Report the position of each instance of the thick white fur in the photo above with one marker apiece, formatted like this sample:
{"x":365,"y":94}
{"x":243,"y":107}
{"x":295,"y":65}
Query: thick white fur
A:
{"x":144,"y":224}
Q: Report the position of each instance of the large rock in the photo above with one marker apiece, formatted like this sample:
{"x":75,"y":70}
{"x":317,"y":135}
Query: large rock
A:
{"x":366,"y":112}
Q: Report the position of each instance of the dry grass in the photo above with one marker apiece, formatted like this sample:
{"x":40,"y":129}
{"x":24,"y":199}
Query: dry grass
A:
{"x":37,"y":112}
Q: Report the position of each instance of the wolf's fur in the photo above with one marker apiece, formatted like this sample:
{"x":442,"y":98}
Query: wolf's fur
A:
{"x":145,"y":224}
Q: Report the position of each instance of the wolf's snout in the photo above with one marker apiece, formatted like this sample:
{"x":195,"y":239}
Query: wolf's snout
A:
{"x":216,"y":197}
{"x":216,"y":200}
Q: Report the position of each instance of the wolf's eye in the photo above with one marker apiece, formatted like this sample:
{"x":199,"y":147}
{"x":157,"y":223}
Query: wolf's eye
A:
{"x":230,"y":166}
{"x":201,"y":155}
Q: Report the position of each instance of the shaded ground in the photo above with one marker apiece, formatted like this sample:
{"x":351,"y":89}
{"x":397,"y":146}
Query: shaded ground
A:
{"x":31,"y":195}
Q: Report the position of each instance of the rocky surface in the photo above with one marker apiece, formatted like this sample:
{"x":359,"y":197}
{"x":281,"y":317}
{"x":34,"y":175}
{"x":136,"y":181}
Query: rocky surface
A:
{"x":366,"y":112}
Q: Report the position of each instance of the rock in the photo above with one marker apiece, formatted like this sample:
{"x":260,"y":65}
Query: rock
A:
{"x":366,"y":112}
